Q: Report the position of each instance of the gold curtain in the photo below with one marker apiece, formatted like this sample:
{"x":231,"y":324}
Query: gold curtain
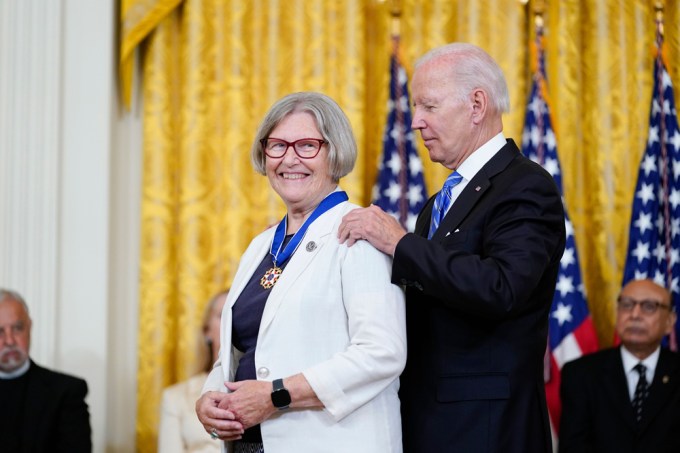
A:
{"x":211,"y":68}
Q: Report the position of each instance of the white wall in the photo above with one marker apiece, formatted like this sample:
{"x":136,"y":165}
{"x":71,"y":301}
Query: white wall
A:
{"x":70,"y":166}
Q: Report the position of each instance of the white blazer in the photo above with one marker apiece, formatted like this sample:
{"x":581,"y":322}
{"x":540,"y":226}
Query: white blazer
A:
{"x":334,"y":316}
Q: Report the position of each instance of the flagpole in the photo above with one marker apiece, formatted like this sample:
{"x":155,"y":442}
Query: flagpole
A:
{"x":538,"y":7}
{"x":658,"y":7}
{"x":400,"y":185}
{"x":663,"y":133}
{"x":658,"y":10}
{"x":395,"y":13}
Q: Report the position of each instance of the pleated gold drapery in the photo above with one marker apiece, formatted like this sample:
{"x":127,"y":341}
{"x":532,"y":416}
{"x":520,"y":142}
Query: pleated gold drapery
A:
{"x":211,"y":69}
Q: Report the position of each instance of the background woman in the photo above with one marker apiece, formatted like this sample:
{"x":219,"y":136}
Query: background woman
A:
{"x":179,"y":431}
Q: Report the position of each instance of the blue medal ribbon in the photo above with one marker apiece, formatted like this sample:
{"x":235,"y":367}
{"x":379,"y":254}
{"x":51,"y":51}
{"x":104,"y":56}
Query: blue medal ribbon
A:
{"x":280,"y":256}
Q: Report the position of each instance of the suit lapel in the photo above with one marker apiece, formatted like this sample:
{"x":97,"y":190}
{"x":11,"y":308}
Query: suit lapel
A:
{"x":666,"y":378}
{"x":37,"y":396}
{"x":423,"y":221}
{"x":615,"y":387}
{"x":317,"y":236}
{"x":475,"y":190}
{"x":241,"y":279}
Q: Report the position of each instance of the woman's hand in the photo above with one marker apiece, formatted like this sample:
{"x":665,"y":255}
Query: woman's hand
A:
{"x":250,"y":401}
{"x":217,"y":421}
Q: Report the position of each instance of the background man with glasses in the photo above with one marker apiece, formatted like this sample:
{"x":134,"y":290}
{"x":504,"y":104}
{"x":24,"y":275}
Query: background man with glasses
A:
{"x":41,"y":410}
{"x":626,"y":399}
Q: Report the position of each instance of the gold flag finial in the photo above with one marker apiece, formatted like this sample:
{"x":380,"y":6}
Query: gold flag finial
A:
{"x":658,"y":10}
{"x":539,"y":8}
{"x":395,"y":12}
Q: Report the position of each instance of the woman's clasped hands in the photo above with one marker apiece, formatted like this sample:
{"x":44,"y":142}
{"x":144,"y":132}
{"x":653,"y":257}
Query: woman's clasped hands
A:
{"x":225,"y":416}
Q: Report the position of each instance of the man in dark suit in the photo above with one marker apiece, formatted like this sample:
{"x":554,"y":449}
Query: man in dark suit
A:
{"x":610,"y":403}
{"x":480,"y":276}
{"x":42,"y":410}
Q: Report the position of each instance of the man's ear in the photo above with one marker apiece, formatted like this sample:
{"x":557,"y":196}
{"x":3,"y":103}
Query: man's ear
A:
{"x":670,"y":322}
{"x":479,"y":102}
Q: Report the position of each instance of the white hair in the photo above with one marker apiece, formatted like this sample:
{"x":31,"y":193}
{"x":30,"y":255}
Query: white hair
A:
{"x":476,"y":69}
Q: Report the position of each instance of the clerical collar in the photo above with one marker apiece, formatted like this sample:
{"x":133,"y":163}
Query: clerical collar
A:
{"x":18,"y":372}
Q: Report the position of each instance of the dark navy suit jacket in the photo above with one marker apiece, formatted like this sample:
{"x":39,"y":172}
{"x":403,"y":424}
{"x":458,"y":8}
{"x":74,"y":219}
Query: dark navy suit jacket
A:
{"x":478,"y":296}
{"x":597,"y":415}
{"x":55,"y":417}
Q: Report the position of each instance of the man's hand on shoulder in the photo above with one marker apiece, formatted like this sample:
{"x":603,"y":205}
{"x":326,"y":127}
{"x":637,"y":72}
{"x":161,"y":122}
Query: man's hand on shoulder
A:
{"x":374,"y":225}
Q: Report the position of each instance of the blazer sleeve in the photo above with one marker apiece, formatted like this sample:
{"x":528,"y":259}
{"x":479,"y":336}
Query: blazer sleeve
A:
{"x":499,"y":255}
{"x":376,"y":354}
{"x":576,"y":419}
{"x":73,"y":425}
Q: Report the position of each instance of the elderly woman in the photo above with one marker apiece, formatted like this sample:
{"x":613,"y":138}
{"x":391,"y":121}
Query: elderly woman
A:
{"x":313,"y":332}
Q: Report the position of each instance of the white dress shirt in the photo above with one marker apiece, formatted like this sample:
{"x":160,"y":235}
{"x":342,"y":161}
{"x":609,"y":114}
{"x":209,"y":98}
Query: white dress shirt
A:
{"x":632,"y":376}
{"x":474,"y":162}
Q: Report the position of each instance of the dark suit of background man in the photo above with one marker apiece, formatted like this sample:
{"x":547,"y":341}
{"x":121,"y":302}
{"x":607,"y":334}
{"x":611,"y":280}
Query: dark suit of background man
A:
{"x":598,"y":389}
{"x":479,"y":291}
{"x":40,"y":410}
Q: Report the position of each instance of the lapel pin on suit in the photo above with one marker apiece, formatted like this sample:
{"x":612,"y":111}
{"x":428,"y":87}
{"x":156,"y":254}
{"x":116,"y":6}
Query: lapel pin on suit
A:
{"x":666,"y":379}
{"x":478,"y":188}
{"x":311,"y":246}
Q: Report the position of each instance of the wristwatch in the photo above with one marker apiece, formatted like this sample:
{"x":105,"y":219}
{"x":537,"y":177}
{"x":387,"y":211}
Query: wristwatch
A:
{"x":280,"y":396}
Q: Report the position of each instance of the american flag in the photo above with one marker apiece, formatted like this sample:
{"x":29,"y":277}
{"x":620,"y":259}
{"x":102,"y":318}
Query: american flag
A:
{"x":654,"y":238}
{"x":571,"y":330}
{"x":400,"y":186}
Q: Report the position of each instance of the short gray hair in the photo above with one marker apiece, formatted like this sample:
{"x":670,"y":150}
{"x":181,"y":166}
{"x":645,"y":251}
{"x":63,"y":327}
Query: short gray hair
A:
{"x":205,"y":353}
{"x":475,"y":70}
{"x":6,"y":294}
{"x":331,"y":121}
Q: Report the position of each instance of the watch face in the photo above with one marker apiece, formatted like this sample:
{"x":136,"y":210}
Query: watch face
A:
{"x":281,"y":398}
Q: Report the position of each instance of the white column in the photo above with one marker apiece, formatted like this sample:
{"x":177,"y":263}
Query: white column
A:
{"x":30,"y":154}
{"x":70,"y":166}
{"x":84,"y":212}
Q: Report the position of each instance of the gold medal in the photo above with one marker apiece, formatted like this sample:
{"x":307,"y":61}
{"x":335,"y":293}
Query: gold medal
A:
{"x":270,"y":277}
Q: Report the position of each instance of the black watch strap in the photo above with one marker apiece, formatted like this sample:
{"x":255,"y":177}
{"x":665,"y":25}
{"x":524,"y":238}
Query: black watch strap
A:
{"x":280,"y":396}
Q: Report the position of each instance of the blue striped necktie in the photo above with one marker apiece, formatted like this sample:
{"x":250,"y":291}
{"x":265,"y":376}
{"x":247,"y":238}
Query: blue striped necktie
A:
{"x":641,"y":390}
{"x":442,"y":201}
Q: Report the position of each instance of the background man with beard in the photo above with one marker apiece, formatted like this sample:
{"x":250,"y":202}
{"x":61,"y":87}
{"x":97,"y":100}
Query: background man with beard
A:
{"x":42,"y":410}
{"x":609,"y":402}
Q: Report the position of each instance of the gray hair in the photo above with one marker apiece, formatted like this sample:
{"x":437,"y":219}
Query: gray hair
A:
{"x":209,"y":308}
{"x":205,"y":353}
{"x":331,"y":121}
{"x":7,"y":294}
{"x":475,"y":70}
